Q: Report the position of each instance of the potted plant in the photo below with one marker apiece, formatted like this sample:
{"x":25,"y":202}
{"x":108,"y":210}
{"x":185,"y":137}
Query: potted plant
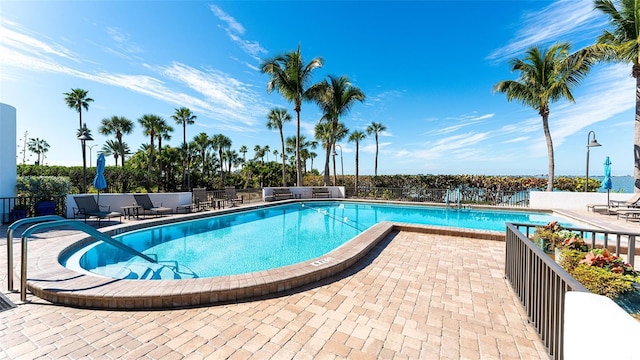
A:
{"x":547,"y":237}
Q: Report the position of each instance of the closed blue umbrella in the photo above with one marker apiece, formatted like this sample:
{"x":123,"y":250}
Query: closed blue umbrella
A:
{"x":606,"y":181}
{"x":99,"y":182}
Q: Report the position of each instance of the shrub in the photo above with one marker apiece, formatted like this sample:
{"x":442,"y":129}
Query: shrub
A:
{"x":43,"y":188}
{"x":602,"y":281}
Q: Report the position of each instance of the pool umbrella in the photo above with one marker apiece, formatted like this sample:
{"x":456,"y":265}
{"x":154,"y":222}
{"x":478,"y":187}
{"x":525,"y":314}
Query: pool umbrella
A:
{"x":99,"y":182}
{"x":606,"y":181}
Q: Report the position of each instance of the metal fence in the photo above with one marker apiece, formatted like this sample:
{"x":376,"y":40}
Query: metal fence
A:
{"x":541,"y":284}
{"x":9,"y":204}
{"x":468,"y":196}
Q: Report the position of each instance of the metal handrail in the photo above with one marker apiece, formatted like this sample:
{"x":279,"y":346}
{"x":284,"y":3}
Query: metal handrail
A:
{"x":79,"y":226}
{"x":10,"y":231}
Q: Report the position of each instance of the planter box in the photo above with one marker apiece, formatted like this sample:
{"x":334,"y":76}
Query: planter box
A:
{"x":45,"y":208}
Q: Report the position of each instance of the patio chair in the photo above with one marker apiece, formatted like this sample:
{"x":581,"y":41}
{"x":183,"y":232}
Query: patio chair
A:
{"x":88,"y":207}
{"x":148,"y":207}
{"x":231,"y":196}
{"x":634,"y":201}
{"x":200,"y":199}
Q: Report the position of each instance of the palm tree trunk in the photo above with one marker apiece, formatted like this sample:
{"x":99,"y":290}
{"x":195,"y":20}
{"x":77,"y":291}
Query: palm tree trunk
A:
{"x":356,"y":181}
{"x":284,"y":169}
{"x":326,"y":164}
{"x":335,"y":176}
{"x":547,"y":135}
{"x":636,"y":132}
{"x":298,"y":164}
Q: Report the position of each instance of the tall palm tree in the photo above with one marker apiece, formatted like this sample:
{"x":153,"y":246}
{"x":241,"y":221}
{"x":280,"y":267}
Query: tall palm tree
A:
{"x":357,"y":136}
{"x":221,"y":142}
{"x":290,"y":76}
{"x":150,"y":124}
{"x":338,"y":134}
{"x":116,"y":125}
{"x":546,"y":76}
{"x":77,"y":99}
{"x":183,"y":116}
{"x":202,"y":143}
{"x":376,"y":128}
{"x":243,"y":150}
{"x":323,"y":134}
{"x":163,"y":132}
{"x":622,"y":44}
{"x":337,"y":98}
{"x":39,"y":147}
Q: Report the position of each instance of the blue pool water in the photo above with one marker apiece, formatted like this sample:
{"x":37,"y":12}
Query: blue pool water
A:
{"x":267,"y":238}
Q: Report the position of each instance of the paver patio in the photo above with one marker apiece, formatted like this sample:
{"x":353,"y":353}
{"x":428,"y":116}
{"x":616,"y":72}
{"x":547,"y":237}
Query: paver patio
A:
{"x":415,"y":296}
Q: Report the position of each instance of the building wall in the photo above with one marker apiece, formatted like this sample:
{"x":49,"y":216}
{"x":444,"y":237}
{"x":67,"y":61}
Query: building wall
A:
{"x":7,"y":155}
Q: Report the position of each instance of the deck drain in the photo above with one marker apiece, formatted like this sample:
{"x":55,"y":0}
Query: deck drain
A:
{"x":5,"y":303}
{"x":320,"y":262}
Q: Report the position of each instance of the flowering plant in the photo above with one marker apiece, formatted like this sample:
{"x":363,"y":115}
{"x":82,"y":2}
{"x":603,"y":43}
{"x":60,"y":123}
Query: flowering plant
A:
{"x":604,"y":259}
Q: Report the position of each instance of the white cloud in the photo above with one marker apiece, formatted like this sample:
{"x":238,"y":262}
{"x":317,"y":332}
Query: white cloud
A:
{"x":235,"y":30}
{"x":21,"y":42}
{"x":557,"y":21}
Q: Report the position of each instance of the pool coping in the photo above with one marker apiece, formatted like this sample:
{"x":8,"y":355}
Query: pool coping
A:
{"x":49,"y":280}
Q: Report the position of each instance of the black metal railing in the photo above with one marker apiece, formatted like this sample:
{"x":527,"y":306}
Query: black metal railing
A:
{"x":11,"y":206}
{"x":541,"y":284}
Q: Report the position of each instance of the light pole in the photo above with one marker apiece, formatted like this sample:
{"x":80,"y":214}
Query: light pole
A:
{"x":341,"y":163}
{"x":90,"y":153}
{"x":590,"y":143}
{"x":83,"y":139}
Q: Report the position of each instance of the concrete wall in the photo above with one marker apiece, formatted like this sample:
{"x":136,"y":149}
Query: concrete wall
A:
{"x":304,"y":192}
{"x":7,"y":155}
{"x":597,"y":328}
{"x":571,"y":200}
{"x":117,"y":201}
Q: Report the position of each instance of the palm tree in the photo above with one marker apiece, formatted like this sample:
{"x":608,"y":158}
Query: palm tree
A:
{"x":337,"y":98}
{"x":183,"y":116}
{"x":323,"y":135}
{"x":77,"y":99}
{"x":357,"y":136}
{"x":290,"y":76}
{"x":546,"y":76}
{"x":338,"y":134}
{"x":150,"y":124}
{"x":622,"y":44}
{"x":116,"y":125}
{"x":221,"y":142}
{"x":376,"y":128}
{"x":202,"y":143}
{"x":163,"y":132}
{"x":39,"y":147}
{"x":112,"y":148}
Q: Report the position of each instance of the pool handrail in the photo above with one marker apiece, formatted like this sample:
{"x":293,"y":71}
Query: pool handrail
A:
{"x":10,"y":231}
{"x":78,"y":226}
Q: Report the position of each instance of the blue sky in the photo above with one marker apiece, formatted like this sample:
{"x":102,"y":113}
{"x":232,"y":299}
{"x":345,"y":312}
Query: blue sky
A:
{"x":426,"y":67}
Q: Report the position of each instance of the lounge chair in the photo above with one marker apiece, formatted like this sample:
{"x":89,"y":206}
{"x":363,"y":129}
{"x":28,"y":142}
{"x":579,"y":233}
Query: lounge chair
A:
{"x":628,"y":213}
{"x":200,"y":199}
{"x":320,"y":192}
{"x":634,"y":201}
{"x":88,"y":207}
{"x":231,"y":196}
{"x":148,"y":207}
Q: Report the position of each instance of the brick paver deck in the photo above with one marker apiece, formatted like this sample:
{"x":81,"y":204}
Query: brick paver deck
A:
{"x":415,"y":296}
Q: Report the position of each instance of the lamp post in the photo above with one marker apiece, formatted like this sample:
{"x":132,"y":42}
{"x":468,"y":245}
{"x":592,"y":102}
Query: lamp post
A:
{"x":590,"y":143}
{"x":341,"y":163}
{"x":90,"y":153}
{"x":83,"y":139}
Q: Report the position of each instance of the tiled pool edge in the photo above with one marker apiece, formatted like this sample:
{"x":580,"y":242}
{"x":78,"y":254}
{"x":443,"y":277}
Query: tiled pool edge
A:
{"x":51,"y":281}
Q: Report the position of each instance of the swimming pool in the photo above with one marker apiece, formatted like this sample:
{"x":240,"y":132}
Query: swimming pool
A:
{"x":268,"y":238}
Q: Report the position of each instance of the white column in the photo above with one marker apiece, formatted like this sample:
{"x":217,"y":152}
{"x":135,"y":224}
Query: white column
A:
{"x":7,"y":156}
